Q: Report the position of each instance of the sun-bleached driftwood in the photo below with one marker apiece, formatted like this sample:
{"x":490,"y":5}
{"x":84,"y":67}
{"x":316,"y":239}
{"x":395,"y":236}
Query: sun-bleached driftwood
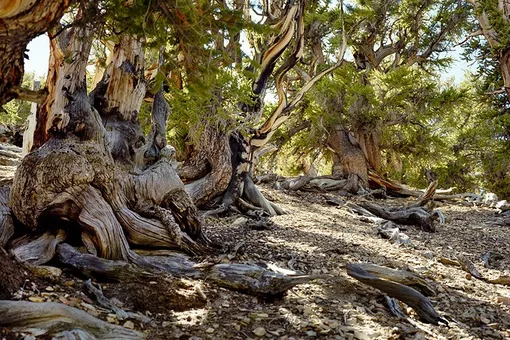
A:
{"x":411,"y":297}
{"x":56,"y":320}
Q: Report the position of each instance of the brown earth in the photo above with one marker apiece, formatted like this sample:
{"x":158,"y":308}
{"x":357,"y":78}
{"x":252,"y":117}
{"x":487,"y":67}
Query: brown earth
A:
{"x":319,"y":238}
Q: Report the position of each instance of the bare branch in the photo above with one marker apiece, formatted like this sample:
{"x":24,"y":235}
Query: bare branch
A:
{"x":28,"y":95}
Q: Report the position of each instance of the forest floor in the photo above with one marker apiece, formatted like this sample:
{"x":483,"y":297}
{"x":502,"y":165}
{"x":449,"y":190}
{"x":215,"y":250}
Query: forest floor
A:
{"x":315,"y":237}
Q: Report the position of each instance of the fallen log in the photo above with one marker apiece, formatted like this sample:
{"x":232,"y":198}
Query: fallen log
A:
{"x":411,"y":297}
{"x":247,"y":278}
{"x":393,"y":188}
{"x":407,"y":216}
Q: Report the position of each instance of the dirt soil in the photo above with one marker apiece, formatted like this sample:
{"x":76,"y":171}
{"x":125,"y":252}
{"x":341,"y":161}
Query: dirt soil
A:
{"x":315,"y":237}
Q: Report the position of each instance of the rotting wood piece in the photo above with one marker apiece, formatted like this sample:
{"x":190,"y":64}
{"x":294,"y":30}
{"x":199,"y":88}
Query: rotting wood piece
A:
{"x":59,"y":321}
{"x":414,"y":299}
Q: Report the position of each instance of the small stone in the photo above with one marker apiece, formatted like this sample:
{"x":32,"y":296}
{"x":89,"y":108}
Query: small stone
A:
{"x":246,"y":321}
{"x":259,"y":331}
{"x":166,"y":324}
{"x":111,"y":320}
{"x":88,"y":306}
{"x":47,"y":272}
{"x":468,"y":276}
{"x":351,"y":321}
{"x":311,"y":333}
{"x":307,"y":310}
{"x":332,"y":323}
{"x":36,"y":299}
{"x":49,"y":289}
{"x":129,"y":324}
{"x":239,"y":221}
{"x":237,"y":327}
{"x":485,"y":320}
{"x":209,"y":330}
{"x":69,"y":283}
{"x":28,"y":337}
{"x":504,"y":300}
{"x":361,"y":336}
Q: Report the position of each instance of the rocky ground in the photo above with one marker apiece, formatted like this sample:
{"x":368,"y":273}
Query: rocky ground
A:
{"x":315,"y":237}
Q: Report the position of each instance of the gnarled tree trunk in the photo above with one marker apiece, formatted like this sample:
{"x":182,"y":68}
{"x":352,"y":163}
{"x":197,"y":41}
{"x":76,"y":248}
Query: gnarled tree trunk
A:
{"x":348,"y":158}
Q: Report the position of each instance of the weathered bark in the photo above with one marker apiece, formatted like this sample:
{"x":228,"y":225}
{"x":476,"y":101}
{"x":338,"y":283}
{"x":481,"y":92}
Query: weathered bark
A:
{"x":66,"y":78}
{"x":21,"y":22}
{"x":348,"y":158}
{"x":95,"y":180}
{"x":209,"y":169}
{"x":370,"y":143}
{"x":118,"y":97}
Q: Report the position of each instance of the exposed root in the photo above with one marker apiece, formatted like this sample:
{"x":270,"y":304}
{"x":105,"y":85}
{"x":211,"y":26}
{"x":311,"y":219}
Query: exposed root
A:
{"x":255,"y":197}
{"x":59,"y":321}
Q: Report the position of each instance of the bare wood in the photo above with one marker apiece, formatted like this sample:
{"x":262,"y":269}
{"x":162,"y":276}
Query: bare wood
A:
{"x":250,"y":279}
{"x":408,"y":216}
{"x":37,"y":251}
{"x":414,"y":299}
{"x":34,"y":96}
{"x":256,"y":280}
{"x":427,"y":195}
{"x":59,"y":320}
{"x":401,"y":276}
